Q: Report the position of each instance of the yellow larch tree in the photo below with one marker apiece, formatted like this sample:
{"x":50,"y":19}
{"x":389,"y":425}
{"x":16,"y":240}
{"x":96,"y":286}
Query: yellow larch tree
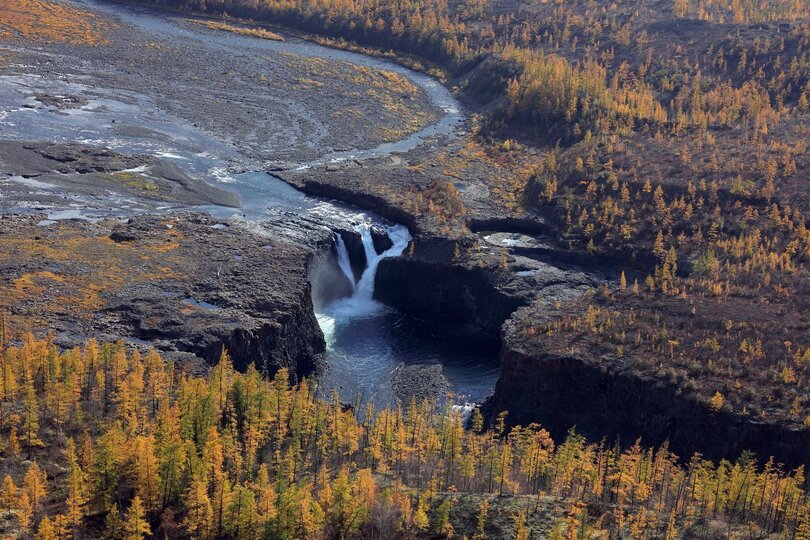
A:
{"x":136,"y":527}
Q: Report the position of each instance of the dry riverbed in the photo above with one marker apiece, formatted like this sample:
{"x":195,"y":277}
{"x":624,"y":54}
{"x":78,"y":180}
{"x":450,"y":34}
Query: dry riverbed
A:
{"x":263,"y":99}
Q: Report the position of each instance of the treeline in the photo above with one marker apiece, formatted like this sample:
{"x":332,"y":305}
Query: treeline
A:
{"x":428,"y":29}
{"x":561,"y":70}
{"x":101,"y":440}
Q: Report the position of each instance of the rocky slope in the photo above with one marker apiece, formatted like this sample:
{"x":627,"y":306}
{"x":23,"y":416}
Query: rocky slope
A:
{"x":188,"y":285}
{"x":51,"y":173}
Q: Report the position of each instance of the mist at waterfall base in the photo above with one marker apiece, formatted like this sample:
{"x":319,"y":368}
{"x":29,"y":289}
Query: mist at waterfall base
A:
{"x":368,"y":341}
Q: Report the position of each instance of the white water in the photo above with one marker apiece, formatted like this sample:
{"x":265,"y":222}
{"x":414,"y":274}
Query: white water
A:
{"x":465,"y":410}
{"x":343,"y":260}
{"x":399,"y":236}
{"x":367,"y":342}
{"x":361,"y":303}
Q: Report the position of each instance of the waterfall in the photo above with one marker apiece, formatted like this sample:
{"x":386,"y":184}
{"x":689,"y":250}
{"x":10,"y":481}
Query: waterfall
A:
{"x":343,"y":260}
{"x":367,"y":342}
{"x":399,"y":236}
{"x":361,"y":303}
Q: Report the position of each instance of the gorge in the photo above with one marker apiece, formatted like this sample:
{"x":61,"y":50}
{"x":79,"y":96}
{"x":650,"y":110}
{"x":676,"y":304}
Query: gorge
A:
{"x":281,"y":176}
{"x":404,"y":270}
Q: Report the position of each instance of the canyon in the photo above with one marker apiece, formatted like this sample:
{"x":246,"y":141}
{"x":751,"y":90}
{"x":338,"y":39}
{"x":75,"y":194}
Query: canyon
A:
{"x":276,"y":229}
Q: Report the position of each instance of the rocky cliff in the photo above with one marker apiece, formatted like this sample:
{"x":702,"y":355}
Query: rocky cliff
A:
{"x":460,"y":301}
{"x":602,"y":398}
{"x":188,"y":285}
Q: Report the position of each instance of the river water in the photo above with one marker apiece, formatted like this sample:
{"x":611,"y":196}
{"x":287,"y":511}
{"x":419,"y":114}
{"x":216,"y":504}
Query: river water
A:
{"x":367,"y":342}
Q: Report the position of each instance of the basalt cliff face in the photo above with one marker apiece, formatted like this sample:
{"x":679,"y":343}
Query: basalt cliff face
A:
{"x":602,"y":398}
{"x":460,"y":301}
{"x":251,"y":291}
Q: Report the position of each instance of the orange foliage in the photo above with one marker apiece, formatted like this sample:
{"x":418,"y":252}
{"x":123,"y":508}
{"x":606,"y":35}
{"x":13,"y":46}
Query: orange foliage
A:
{"x":108,"y":264}
{"x":42,"y":20}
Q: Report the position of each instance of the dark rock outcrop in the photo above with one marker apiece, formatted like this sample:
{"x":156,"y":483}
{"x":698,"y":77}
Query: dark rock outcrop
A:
{"x":354,"y":246}
{"x":420,"y":382}
{"x":356,"y":249}
{"x":92,"y":171}
{"x":184,"y":284}
{"x":328,"y":280}
{"x":472,"y":299}
{"x":603,"y":399}
{"x":315,"y":186}
{"x":461,"y":301}
{"x":527,"y":225}
{"x":379,"y":237}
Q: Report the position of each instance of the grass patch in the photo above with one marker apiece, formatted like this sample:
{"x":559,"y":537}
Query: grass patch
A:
{"x":134,"y":181}
{"x":44,"y":21}
{"x":243,"y":30}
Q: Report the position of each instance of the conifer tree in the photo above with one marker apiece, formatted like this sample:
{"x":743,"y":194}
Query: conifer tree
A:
{"x":521,"y":528}
{"x":199,"y":514}
{"x":114,"y":526}
{"x":106,"y":469}
{"x":136,"y":527}
{"x":145,"y":467}
{"x":46,"y":530}
{"x":481,"y":520}
{"x":35,"y":484}
{"x":76,"y":492}
{"x":442,"y":526}
{"x":26,"y":512}
{"x":8,"y":494}
{"x":31,"y":417}
{"x":13,"y":442}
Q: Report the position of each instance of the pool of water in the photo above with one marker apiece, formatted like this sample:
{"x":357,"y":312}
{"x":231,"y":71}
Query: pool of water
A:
{"x":363,"y":353}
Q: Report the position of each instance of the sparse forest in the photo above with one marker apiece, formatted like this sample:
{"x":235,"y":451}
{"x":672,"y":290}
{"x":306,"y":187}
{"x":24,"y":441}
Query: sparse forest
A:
{"x":668,"y":138}
{"x":102,"y":440}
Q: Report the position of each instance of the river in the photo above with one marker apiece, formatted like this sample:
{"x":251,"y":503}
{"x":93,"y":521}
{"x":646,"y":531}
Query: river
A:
{"x":367,"y":342}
